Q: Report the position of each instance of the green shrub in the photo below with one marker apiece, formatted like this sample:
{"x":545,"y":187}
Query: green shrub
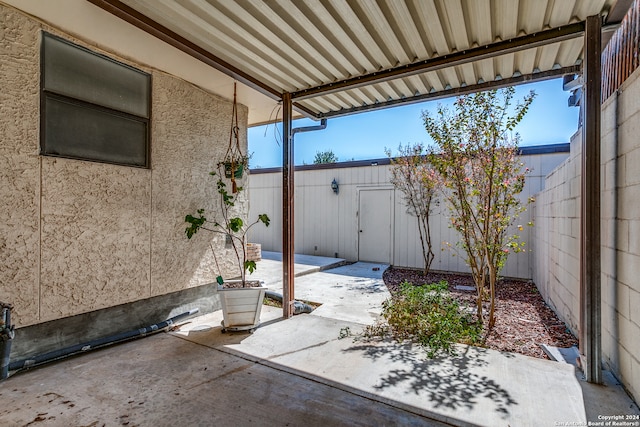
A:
{"x":429,"y":316}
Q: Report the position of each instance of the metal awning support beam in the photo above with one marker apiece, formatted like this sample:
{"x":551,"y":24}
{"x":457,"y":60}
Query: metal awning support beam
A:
{"x":590,"y":295}
{"x":288,"y":274}
{"x":448,"y":93}
{"x":288,"y":192}
{"x":150,"y":26}
{"x":504,"y":47}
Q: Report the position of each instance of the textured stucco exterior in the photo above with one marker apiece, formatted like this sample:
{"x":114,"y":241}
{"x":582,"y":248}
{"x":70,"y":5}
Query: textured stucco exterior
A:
{"x":77,"y":236}
{"x":19,"y":165}
{"x":188,"y":142}
{"x":557,"y":241}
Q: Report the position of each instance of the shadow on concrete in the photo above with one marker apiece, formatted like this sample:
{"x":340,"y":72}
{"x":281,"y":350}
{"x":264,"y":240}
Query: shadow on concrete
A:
{"x":364,"y":286}
{"x":213,"y":336}
{"x":448,"y":382}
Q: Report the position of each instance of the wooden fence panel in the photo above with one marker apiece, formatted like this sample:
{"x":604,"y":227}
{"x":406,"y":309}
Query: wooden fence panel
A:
{"x":621,"y":56}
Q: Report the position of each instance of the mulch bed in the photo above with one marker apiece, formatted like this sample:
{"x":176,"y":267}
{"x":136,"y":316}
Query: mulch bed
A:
{"x":523,"y":319}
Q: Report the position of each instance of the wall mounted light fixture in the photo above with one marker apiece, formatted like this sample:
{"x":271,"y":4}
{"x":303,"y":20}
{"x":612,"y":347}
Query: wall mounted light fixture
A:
{"x":334,"y":186}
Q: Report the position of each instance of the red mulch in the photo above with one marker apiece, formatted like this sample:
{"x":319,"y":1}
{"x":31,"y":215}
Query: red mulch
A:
{"x":523,"y":319}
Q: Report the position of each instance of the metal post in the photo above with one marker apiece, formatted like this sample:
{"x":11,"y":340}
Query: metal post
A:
{"x":287,"y":209}
{"x":590,"y":297}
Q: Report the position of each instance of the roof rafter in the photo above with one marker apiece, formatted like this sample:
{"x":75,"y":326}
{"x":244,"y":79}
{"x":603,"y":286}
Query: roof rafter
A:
{"x":132,"y":16}
{"x":554,"y":35}
{"x":141,"y":21}
{"x":293,"y":39}
{"x":527,"y":78}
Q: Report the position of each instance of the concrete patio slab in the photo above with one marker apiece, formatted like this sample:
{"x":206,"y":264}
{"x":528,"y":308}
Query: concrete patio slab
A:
{"x":301,"y":372}
{"x":353,"y":292}
{"x":166,"y":381}
{"x":270,"y":266}
{"x":476,"y":387}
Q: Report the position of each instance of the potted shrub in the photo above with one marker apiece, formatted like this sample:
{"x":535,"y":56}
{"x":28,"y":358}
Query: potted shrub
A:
{"x":241,"y":299}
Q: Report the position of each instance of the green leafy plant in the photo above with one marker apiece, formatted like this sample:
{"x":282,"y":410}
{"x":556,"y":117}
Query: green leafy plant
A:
{"x":429,"y":316}
{"x":230,"y":225}
{"x":477,"y":158}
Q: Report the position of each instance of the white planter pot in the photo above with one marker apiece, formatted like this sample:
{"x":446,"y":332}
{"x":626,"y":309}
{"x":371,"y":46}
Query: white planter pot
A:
{"x":241,"y":307}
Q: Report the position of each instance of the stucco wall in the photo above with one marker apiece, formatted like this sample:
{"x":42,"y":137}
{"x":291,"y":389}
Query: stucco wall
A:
{"x":190,"y":136}
{"x":327,"y":224}
{"x":76,"y":236}
{"x":557,"y":243}
{"x":19,"y":165}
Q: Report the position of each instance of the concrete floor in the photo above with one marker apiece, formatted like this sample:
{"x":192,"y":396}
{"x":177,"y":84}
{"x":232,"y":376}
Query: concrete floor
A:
{"x":167,"y":381}
{"x":299,"y":372}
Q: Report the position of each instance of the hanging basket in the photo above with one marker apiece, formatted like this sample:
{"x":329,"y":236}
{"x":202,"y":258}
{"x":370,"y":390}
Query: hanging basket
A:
{"x":233,"y":170}
{"x":235,"y":161}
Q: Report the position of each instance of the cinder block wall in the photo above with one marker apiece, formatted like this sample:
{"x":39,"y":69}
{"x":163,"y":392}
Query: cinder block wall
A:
{"x":555,"y":240}
{"x":557,"y":247}
{"x":78,"y":236}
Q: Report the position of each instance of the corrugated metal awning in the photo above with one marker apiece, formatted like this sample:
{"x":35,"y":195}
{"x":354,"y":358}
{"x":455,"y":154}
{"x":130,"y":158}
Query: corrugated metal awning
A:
{"x":338,"y":57}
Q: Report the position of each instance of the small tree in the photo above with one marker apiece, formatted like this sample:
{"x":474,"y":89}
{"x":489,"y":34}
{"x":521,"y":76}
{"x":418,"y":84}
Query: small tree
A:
{"x":417,"y":180}
{"x":477,"y":160}
{"x":325,"y":157}
{"x":230,"y":225}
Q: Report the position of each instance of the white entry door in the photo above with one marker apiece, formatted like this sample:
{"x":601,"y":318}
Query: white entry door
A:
{"x":375,"y":225}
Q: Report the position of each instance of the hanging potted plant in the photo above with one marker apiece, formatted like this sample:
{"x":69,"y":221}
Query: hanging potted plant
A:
{"x":235,"y":162}
{"x":241,"y":299}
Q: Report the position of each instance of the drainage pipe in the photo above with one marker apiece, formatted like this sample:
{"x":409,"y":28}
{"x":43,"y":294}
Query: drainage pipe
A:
{"x":321,"y":126}
{"x":288,"y":215}
{"x":7,"y":332}
{"x":98,"y":343}
{"x":298,"y":307}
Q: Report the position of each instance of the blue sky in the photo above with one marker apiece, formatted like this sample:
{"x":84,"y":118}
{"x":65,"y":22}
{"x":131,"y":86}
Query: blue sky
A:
{"x":366,"y":135}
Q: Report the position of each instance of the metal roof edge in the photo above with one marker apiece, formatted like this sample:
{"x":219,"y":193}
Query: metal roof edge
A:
{"x":531,"y":150}
{"x":322,"y":166}
{"x":523,"y":151}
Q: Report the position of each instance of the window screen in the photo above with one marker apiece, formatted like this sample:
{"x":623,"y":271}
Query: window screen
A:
{"x":93,"y":107}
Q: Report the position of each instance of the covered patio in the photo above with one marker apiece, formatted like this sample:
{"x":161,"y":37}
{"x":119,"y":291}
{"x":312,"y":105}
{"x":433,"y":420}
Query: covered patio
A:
{"x":324,"y":59}
{"x":301,"y":372}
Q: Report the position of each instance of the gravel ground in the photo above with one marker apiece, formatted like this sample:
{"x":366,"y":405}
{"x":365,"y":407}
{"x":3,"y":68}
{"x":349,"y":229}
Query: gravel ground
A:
{"x":523,"y":319}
